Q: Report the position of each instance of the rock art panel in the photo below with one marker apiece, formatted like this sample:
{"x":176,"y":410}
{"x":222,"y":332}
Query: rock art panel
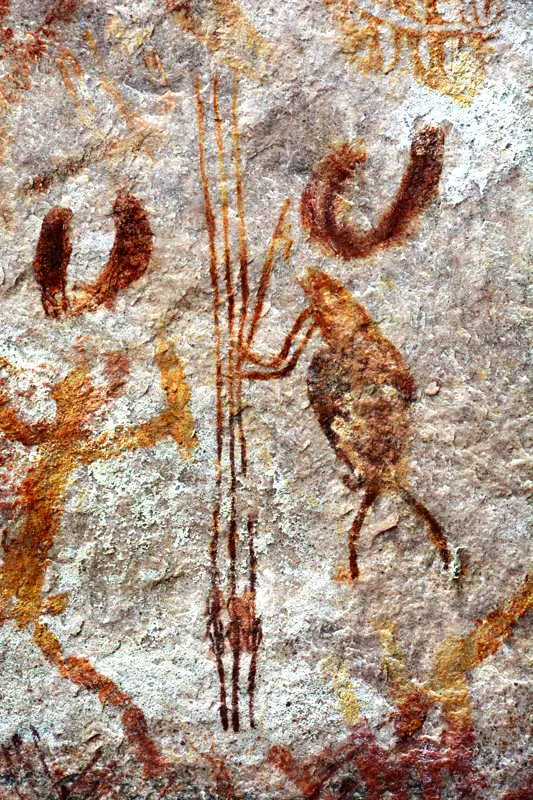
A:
{"x":263,"y":400}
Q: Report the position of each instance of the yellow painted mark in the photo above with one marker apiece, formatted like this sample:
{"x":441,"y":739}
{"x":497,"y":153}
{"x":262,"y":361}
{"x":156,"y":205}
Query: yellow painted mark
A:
{"x":336,"y":673}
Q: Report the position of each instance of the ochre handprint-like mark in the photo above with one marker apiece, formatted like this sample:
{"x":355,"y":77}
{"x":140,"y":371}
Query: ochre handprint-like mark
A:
{"x":63,"y":445}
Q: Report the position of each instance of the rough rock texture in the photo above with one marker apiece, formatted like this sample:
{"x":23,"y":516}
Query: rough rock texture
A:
{"x":181,"y":184}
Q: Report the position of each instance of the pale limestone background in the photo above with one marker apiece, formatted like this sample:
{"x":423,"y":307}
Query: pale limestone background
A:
{"x":133,"y":541}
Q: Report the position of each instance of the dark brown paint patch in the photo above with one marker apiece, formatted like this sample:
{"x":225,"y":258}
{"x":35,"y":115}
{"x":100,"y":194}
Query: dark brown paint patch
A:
{"x":320,"y":200}
{"x":130,"y":256}
{"x":128,"y":261}
{"x":51,"y":261}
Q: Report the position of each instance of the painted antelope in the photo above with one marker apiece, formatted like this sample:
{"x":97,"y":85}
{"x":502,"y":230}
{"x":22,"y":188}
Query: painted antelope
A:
{"x":359,"y":385}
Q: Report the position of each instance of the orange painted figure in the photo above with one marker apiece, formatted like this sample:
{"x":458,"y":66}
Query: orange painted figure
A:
{"x":63,"y":445}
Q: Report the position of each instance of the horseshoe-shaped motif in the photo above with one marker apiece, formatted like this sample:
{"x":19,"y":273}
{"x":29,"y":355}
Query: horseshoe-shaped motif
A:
{"x":128,"y":260}
{"x":320,"y":199}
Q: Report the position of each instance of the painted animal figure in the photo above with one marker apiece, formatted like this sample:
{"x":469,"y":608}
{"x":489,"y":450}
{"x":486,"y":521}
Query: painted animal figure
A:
{"x":359,"y":385}
{"x":360,"y":389}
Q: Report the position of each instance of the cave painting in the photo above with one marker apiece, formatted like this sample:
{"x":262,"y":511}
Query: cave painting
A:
{"x":128,"y":260}
{"x":62,"y":445}
{"x":444,"y":44}
{"x":233,"y":623}
{"x":358,"y":383}
{"x":223,"y":28}
{"x":418,"y":758}
{"x":66,"y":442}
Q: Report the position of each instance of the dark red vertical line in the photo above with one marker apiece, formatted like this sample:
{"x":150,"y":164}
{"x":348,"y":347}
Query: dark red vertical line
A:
{"x":256,"y":622}
{"x":232,"y":361}
{"x":252,"y":563}
{"x":230,"y":381}
{"x":235,"y":625}
{"x":214,"y":609}
{"x":231,"y":393}
{"x":243,"y":270}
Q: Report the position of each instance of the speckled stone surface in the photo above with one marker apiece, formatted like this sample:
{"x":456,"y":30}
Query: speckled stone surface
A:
{"x":408,"y":680}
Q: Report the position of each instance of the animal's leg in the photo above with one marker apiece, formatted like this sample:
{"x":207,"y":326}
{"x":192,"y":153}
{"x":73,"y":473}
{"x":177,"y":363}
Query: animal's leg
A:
{"x":256,"y":375}
{"x":276,"y":361}
{"x":436,"y":534}
{"x":369,"y":497}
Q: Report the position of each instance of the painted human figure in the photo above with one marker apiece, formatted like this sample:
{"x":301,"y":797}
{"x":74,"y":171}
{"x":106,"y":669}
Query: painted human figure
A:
{"x":63,"y":445}
{"x":67,"y":442}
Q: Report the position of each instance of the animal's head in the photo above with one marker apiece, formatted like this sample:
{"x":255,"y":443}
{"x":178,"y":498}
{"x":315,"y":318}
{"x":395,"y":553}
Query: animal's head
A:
{"x":334,"y":310}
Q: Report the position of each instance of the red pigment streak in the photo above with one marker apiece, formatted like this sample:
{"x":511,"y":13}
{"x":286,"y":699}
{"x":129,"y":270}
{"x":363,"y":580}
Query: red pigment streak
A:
{"x":320,"y":199}
{"x":128,"y":261}
{"x":82,"y":673}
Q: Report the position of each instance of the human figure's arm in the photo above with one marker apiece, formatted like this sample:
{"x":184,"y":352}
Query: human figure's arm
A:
{"x":15,"y":429}
{"x":175,"y":420}
{"x":281,"y":365}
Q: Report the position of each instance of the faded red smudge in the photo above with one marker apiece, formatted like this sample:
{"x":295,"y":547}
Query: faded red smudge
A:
{"x":116,"y":371}
{"x":61,"y":11}
{"x":320,"y":200}
{"x":129,"y":258}
{"x":20,"y":57}
{"x":525,"y":792}
{"x":82,"y":673}
{"x":224,"y":786}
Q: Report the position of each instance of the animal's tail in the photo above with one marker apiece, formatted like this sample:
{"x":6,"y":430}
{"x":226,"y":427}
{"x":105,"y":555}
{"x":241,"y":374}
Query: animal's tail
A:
{"x":436,"y":534}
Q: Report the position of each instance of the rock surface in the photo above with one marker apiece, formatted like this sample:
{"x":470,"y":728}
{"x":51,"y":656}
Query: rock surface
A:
{"x":362,"y":160}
